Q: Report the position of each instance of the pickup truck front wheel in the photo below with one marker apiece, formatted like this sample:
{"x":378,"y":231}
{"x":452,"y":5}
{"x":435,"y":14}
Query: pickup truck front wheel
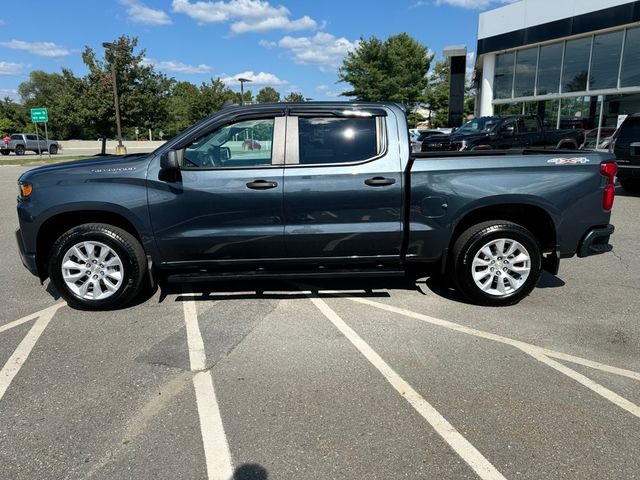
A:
{"x":496,"y":263}
{"x":97,"y":266}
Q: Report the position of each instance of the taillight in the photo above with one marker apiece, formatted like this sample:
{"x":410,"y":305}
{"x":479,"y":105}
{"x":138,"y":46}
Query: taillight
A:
{"x":609,"y":170}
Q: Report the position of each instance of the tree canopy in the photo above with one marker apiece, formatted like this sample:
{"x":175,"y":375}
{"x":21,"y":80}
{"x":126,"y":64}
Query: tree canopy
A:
{"x":394,"y":69}
{"x":83,"y":107}
{"x":437,"y":95}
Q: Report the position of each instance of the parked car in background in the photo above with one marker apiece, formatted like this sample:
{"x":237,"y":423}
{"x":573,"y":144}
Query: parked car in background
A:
{"x":591,"y":138}
{"x":23,"y":142}
{"x":626,"y":146}
{"x":504,"y":133}
{"x":416,"y":145}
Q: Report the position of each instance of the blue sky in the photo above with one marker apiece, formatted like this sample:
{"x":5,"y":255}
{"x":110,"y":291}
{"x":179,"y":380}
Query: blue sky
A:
{"x":289,"y":45}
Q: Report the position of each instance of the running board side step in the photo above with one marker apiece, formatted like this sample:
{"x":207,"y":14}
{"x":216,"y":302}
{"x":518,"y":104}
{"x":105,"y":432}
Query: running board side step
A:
{"x":257,"y":275}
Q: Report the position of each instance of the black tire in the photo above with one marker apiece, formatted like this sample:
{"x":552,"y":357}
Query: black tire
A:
{"x":125,"y":245}
{"x":631,"y":185}
{"x":19,"y":149}
{"x":53,"y":149}
{"x":471,"y":241}
{"x":5,"y":152}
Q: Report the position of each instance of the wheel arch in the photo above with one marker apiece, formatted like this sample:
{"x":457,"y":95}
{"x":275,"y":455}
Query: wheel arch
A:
{"x":567,"y":144}
{"x":532,"y":217}
{"x":55,"y":225}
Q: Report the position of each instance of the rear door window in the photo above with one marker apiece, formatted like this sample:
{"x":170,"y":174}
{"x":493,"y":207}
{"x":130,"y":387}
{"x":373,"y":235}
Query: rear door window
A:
{"x":16,"y":137}
{"x":328,"y":140}
{"x":31,"y":137}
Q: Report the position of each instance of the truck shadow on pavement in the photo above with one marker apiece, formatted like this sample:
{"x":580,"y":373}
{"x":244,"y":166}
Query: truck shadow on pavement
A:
{"x":374,"y":287}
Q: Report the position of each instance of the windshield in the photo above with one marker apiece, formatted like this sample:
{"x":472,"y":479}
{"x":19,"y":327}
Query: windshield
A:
{"x":479,"y":125}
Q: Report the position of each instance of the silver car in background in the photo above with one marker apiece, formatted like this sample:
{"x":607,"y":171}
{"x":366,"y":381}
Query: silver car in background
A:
{"x":23,"y":142}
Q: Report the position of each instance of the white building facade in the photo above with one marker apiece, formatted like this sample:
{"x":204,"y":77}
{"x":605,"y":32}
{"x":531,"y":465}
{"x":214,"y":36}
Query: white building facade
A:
{"x":575,"y":63}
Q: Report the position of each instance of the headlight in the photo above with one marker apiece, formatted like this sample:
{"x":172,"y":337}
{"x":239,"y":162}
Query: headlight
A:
{"x":25,"y":189}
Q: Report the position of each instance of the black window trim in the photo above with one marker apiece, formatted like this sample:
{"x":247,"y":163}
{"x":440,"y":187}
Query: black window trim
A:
{"x":230,"y":121}
{"x":292,"y":159}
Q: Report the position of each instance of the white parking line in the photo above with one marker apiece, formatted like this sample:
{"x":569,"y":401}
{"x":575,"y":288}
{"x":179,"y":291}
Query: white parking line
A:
{"x":214,"y":440}
{"x":613,"y":397}
{"x":497,"y":338}
{"x":20,"y":355}
{"x":539,"y":353}
{"x":483,"y":468}
{"x":33,"y":316}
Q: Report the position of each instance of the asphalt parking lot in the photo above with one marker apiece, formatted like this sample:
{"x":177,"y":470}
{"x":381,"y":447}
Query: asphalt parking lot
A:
{"x":376,"y":379}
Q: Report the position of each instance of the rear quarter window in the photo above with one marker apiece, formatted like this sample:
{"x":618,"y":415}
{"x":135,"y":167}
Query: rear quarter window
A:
{"x":325,"y":140}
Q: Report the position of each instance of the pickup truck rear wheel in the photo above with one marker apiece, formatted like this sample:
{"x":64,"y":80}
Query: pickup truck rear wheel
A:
{"x":19,"y":149}
{"x":496,"y":263}
{"x":97,"y":266}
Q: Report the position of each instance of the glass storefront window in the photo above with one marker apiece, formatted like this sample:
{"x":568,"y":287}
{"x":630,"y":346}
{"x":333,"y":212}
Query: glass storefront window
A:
{"x":605,"y":60}
{"x":549,"y":67}
{"x":576,"y":65}
{"x":503,"y":81}
{"x":630,"y":75}
{"x":580,"y":112}
{"x":508,"y":109}
{"x":526,"y":62}
{"x":616,"y":105}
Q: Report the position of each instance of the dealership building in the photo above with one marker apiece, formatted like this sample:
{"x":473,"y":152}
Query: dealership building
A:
{"x":575,"y":63}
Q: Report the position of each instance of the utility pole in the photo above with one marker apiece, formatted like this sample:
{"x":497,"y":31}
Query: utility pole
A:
{"x":110,"y":47}
{"x":242,"y":81}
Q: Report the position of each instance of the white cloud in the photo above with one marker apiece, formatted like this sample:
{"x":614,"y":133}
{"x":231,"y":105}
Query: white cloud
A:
{"x":140,"y":13}
{"x":469,"y":4}
{"x":44,"y":49}
{"x":177,"y":67}
{"x":323,"y":49}
{"x":10,"y":68}
{"x":244,"y":15}
{"x":327,"y":91}
{"x":267,"y":44}
{"x":12,"y":93}
{"x":261,"y":78}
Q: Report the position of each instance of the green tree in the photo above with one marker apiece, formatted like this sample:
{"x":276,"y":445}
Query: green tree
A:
{"x":393,"y":70}
{"x":13,"y":117}
{"x":61,"y":94}
{"x":268,"y":95}
{"x":142,"y":92}
{"x":294,"y":97}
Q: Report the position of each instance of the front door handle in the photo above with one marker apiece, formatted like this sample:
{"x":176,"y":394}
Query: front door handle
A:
{"x":261,"y":185}
{"x":379,"y":181}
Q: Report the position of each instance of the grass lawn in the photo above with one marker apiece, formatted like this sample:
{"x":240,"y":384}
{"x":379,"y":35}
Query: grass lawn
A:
{"x":36,"y":160}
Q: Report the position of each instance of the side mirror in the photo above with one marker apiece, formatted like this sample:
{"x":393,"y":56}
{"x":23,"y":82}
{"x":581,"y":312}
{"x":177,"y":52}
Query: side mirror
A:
{"x":170,"y":161}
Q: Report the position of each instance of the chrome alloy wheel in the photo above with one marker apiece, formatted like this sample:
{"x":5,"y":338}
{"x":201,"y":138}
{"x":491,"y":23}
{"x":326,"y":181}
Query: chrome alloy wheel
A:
{"x":501,"y":267}
{"x":92,"y":270}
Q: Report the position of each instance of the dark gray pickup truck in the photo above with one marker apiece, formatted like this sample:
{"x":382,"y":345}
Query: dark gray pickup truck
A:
{"x":310,"y":190}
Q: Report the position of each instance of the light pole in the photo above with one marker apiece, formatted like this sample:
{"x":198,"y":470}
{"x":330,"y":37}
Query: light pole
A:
{"x":120,"y":148}
{"x":242,"y":81}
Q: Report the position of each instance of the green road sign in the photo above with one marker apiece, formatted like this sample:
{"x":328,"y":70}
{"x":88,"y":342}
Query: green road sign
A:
{"x":39,"y":115}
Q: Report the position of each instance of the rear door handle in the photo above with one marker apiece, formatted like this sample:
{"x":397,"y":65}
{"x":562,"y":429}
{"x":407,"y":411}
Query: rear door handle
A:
{"x":379,"y":181}
{"x":261,"y":185}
